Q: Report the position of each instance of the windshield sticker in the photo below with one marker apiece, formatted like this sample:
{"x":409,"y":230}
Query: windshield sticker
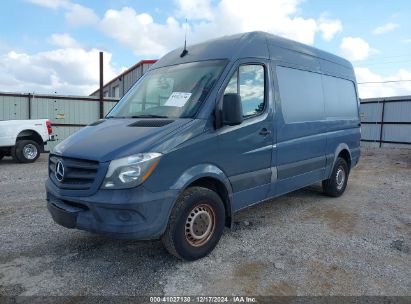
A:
{"x":177,"y":99}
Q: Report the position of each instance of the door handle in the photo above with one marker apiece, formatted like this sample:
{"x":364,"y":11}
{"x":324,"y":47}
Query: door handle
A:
{"x":264,"y":132}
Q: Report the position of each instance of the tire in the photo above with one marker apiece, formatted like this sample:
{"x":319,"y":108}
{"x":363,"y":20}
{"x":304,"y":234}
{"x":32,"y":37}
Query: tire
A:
{"x":26,"y":151}
{"x":13,"y":154}
{"x":197,"y":208}
{"x":2,"y":154}
{"x":336,"y":184}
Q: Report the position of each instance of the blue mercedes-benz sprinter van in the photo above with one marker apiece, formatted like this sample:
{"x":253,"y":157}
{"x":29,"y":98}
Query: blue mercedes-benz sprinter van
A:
{"x":205,"y":133}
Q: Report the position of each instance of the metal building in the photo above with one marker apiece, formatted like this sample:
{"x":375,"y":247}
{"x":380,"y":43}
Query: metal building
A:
{"x":66,"y":113}
{"x":118,"y":87}
{"x":386,"y":122}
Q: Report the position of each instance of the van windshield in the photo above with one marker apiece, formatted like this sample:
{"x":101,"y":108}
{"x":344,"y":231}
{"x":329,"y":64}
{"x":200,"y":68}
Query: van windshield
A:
{"x":172,"y":91}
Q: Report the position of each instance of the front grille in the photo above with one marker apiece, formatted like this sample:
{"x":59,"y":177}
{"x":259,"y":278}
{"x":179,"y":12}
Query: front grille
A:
{"x":79,"y":174}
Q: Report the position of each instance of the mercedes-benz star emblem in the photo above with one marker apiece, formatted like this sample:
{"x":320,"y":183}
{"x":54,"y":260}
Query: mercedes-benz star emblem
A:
{"x":59,"y":173}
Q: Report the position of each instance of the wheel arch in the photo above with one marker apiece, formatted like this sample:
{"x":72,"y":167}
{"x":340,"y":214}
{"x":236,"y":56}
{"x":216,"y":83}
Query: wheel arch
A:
{"x":29,"y":134}
{"x":344,"y":152}
{"x":211,"y":177}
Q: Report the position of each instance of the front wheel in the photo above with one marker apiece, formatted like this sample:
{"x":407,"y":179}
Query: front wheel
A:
{"x":195,"y":225}
{"x":336,"y":184}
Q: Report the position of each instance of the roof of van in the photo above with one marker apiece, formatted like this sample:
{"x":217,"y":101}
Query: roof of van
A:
{"x":251,"y":44}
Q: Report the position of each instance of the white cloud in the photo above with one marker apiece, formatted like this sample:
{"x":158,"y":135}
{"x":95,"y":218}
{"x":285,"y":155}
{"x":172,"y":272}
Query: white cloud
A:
{"x":146,"y":36}
{"x":329,"y":28}
{"x":355,"y":48}
{"x":64,"y":41}
{"x":207,"y":19}
{"x":388,"y":27}
{"x":54,"y":4}
{"x":278,"y":17}
{"x":78,"y":15}
{"x":139,"y":31}
{"x":194,"y":9}
{"x":75,"y":15}
{"x":4,"y":46}
{"x":66,"y":71}
{"x":368,"y":90}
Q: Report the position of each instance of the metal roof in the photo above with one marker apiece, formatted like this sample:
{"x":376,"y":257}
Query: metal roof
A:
{"x":251,"y":44}
{"x":137,"y":65}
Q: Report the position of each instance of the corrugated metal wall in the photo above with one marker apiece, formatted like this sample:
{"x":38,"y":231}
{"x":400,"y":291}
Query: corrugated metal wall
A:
{"x":14,"y":107}
{"x":386,"y":122}
{"x":67,"y":114}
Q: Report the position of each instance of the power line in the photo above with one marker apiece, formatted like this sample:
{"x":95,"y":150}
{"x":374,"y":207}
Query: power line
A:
{"x":385,"y":62}
{"x":388,"y":81}
{"x":386,"y":67}
{"x":385,"y":57}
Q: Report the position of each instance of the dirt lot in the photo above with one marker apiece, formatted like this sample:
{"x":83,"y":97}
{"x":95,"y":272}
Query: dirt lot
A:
{"x":300,"y":244}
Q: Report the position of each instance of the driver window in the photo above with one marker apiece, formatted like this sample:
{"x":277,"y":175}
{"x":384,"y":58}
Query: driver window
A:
{"x":248,"y":81}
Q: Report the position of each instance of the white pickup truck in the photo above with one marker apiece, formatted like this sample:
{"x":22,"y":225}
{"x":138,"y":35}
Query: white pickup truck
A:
{"x":24,"y":140}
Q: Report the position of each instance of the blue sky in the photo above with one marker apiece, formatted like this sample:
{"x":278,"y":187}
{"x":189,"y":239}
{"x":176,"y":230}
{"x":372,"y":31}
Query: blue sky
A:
{"x":52,"y":45}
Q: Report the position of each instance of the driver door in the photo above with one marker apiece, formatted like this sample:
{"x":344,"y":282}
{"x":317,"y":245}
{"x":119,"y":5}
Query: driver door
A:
{"x":245,"y":149}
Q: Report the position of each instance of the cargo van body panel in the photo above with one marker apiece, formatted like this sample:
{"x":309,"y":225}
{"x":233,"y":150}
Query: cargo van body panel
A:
{"x":294,"y":121}
{"x":250,"y":170}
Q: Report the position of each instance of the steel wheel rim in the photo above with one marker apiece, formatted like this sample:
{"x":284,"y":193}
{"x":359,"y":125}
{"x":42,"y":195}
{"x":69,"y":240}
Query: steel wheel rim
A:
{"x":200,"y":225}
{"x":340,"y":178}
{"x":30,"y":151}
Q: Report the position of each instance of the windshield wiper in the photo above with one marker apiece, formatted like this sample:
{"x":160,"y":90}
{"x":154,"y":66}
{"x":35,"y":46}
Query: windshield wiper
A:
{"x":108,"y":117}
{"x":139,"y":116}
{"x":148,"y":116}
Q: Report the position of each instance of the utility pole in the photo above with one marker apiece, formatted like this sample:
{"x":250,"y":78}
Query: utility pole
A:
{"x":101,"y":87}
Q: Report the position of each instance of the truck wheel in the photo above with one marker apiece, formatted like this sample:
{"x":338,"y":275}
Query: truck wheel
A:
{"x":26,"y":151}
{"x":195,"y":225}
{"x":336,"y":184}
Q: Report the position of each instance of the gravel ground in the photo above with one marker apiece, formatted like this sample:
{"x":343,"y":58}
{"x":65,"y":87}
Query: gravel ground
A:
{"x":300,"y":244}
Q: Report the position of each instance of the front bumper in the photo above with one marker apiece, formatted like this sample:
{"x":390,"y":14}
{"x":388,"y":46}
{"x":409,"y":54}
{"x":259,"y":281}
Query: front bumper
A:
{"x":129,"y":213}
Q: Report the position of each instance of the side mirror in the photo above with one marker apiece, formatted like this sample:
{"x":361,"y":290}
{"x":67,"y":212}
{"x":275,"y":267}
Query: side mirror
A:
{"x":232,"y":109}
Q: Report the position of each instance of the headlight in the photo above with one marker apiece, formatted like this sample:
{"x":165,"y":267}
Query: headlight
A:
{"x":130,"y":171}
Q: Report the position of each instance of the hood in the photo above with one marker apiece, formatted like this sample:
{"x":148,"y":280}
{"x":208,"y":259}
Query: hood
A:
{"x":112,"y":138}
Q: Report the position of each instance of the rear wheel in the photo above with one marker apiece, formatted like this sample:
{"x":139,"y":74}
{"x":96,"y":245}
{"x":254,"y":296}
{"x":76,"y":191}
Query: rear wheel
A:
{"x":336,"y":184}
{"x":195,"y":225}
{"x":26,"y":151}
